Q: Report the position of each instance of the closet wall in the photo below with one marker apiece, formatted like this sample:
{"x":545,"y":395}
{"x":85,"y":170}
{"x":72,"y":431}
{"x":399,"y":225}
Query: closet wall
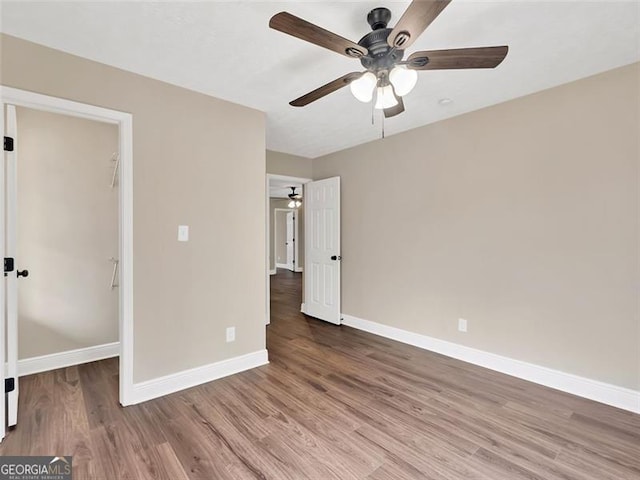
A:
{"x":67,"y":233}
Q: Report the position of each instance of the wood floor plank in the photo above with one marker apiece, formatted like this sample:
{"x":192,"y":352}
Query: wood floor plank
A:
{"x":334,"y":402}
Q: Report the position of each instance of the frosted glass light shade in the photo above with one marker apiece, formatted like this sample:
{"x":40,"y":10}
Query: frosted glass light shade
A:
{"x":403,"y":79}
{"x":362,"y":88}
{"x":385,"y":98}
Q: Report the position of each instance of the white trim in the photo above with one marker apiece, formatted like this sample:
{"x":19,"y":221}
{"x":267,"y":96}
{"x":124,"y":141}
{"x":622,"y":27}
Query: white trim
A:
{"x":299,"y":270}
{"x":283,"y":265}
{"x":302,"y":307}
{"x":267,"y":229}
{"x":44,"y":363}
{"x":124,"y":121}
{"x":609,"y":394}
{"x":175,"y":382}
{"x":273,"y":272}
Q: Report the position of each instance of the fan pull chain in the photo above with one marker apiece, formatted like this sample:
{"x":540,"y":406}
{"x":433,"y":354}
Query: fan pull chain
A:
{"x":382,"y":123}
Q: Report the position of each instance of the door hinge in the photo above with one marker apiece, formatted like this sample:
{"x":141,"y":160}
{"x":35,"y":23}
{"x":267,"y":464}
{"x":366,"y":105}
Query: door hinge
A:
{"x":8,"y":144}
{"x":8,"y":265}
{"x":9,"y":385}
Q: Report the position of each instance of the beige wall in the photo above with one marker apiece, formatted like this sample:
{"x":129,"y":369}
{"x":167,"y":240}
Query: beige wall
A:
{"x":521,"y":218}
{"x":67,"y":231}
{"x":190,"y":153}
{"x":291,"y":165}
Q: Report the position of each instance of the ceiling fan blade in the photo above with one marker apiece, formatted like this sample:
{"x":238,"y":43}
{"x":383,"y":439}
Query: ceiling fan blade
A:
{"x":397,"y":110}
{"x":414,"y":21}
{"x":324,"y":90}
{"x":457,"y":58}
{"x":297,"y":27}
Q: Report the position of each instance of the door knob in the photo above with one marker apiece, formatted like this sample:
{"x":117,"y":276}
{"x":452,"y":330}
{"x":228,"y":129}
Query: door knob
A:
{"x":336,"y":257}
{"x":23,"y":273}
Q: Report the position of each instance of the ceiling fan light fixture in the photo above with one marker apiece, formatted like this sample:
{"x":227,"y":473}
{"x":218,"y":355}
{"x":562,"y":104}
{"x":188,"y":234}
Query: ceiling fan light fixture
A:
{"x":403,"y":79}
{"x":385,"y":98}
{"x":363,"y":87}
{"x":295,"y":199}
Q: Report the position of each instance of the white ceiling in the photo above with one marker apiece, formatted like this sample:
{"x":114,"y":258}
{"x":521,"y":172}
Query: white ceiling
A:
{"x":280,"y":188}
{"x":226,"y":49}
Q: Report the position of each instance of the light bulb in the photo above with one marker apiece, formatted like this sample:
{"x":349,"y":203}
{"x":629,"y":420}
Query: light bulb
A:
{"x":403,"y":79}
{"x":385,"y":98}
{"x":298,"y":203}
{"x":291,"y":204}
{"x":362,"y":88}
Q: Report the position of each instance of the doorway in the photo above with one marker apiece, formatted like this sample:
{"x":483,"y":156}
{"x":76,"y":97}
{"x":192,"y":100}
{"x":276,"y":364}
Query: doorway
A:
{"x":13,"y":99}
{"x":285,"y":239}
{"x":285,"y":230}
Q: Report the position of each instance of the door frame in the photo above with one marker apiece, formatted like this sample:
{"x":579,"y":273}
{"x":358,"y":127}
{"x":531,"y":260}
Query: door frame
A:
{"x":124,"y":121}
{"x":293,"y":211}
{"x":268,"y":177}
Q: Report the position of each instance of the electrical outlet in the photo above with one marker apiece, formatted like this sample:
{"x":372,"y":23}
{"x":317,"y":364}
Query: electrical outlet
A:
{"x":231,"y":334}
{"x":462,"y":325}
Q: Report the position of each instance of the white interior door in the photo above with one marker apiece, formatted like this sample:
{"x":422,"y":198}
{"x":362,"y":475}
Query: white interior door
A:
{"x":3,"y":293}
{"x":290,"y":241}
{"x":11,"y":183}
{"x":322,"y":250}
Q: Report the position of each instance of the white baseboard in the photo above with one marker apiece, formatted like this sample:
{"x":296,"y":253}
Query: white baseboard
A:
{"x":283,"y":265}
{"x":609,"y":394}
{"x":273,"y":272}
{"x":29,"y":366}
{"x":175,"y":382}
{"x":302,"y":307}
{"x":298,"y":269}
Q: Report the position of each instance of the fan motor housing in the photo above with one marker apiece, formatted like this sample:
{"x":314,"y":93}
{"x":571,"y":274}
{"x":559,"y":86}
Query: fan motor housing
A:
{"x":381,"y":56}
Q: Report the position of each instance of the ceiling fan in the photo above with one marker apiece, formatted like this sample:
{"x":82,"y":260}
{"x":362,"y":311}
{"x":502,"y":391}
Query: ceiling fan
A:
{"x":295,"y":199}
{"x":381,"y":53}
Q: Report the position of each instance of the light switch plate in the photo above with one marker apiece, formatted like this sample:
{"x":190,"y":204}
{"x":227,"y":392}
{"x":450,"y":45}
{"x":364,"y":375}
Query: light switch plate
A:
{"x":231,"y":334}
{"x":183,"y":233}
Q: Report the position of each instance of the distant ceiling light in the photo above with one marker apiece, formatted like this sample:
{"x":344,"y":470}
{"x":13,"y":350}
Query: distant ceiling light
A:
{"x":445,"y":101}
{"x":295,"y":199}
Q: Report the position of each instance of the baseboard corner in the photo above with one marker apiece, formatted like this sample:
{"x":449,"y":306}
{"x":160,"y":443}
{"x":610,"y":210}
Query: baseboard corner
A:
{"x":175,"y":382}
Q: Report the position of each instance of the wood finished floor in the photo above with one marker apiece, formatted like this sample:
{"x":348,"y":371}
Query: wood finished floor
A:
{"x":333,"y":403}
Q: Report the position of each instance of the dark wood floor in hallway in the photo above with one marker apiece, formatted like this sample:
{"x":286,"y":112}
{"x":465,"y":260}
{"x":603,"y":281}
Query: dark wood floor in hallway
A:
{"x":333,"y":403}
